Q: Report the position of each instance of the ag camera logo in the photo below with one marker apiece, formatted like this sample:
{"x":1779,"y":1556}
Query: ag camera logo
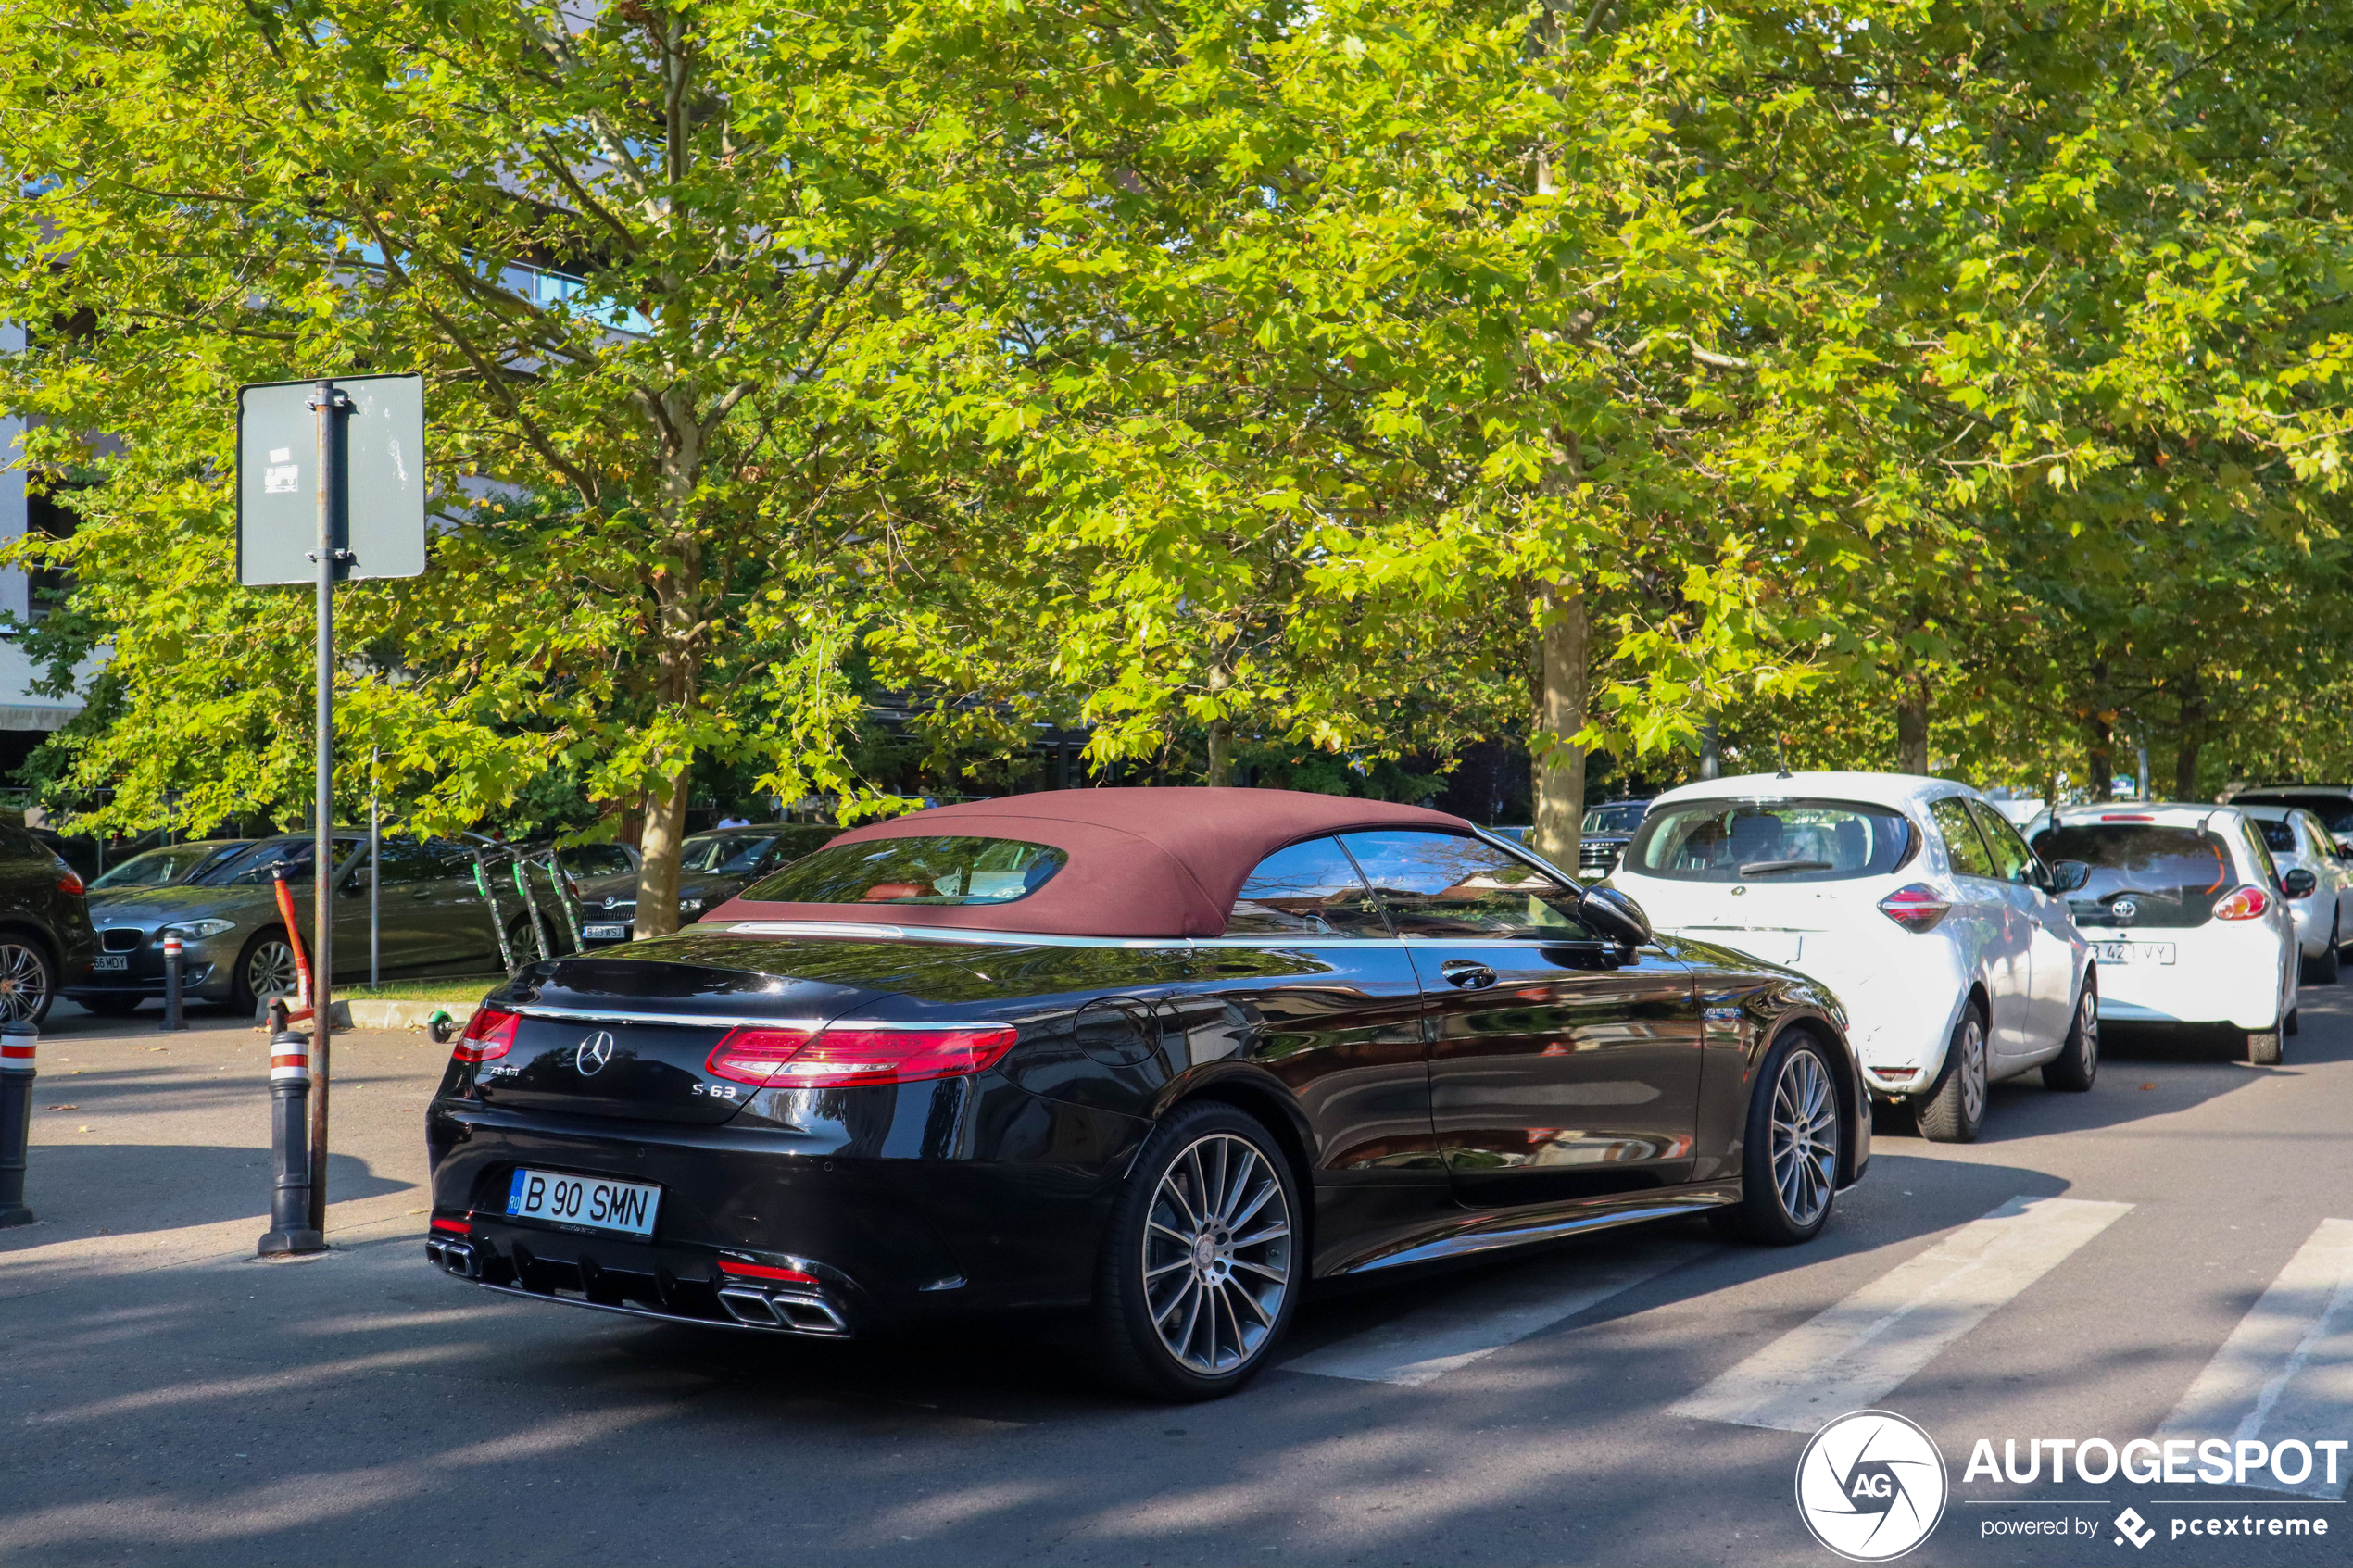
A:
{"x":1871,"y":1486}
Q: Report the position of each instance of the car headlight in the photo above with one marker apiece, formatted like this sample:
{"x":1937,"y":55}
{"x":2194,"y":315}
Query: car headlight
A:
{"x":198,"y":928}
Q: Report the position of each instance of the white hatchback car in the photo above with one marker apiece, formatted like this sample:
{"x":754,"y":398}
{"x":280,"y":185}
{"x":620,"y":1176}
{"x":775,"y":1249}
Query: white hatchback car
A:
{"x":1912,"y":899}
{"x":2300,"y":841}
{"x":2188,"y":914}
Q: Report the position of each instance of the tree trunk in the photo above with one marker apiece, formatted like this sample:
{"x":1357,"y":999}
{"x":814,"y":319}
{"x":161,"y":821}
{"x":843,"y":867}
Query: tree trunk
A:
{"x":1221,"y":731}
{"x":1911,"y":724}
{"x":2099,"y":739}
{"x":2192,"y":740}
{"x":1561,"y":678}
{"x":658,"y":872}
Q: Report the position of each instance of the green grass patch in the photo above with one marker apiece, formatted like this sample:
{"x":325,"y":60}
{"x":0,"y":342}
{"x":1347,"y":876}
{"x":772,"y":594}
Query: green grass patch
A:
{"x":458,"y":990}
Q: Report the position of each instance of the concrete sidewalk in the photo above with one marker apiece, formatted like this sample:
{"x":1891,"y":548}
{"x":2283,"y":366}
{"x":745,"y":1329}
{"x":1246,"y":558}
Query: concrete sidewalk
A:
{"x":151,"y":1149}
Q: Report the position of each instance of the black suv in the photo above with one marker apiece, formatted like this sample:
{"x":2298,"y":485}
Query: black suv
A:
{"x":44,"y":926}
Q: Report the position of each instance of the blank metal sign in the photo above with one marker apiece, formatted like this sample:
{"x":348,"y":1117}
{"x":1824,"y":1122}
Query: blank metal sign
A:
{"x":278,"y":479}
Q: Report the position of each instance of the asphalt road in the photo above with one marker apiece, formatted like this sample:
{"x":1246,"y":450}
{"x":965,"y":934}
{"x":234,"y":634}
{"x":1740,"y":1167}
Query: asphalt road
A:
{"x":2147,"y":1260}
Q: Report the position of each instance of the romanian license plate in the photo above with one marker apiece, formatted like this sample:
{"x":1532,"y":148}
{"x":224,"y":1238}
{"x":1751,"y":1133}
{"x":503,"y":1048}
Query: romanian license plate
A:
{"x":2133,"y":952}
{"x":604,"y":932}
{"x":111,"y":961}
{"x":626,"y":1206}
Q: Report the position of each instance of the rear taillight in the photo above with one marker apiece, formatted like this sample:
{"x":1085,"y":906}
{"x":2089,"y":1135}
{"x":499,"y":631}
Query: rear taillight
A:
{"x":1915,"y":907}
{"x":847,"y":1057}
{"x":2242,"y":903}
{"x":455,"y":1228}
{"x":490,"y":1033}
{"x":764,"y":1271}
{"x":71,"y":882}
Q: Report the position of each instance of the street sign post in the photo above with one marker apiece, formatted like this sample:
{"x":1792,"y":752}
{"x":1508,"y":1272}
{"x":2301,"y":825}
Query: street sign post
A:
{"x":330,"y":486}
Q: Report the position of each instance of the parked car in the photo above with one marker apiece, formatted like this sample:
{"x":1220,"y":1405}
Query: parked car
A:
{"x":2332,"y":803}
{"x":2188,"y":914}
{"x":2298,"y":841}
{"x":1159,"y":1055}
{"x":1606,"y":830}
{"x":44,"y":926}
{"x":713,"y":867}
{"x":234,"y":940}
{"x":170,"y":863}
{"x":1949,"y":944}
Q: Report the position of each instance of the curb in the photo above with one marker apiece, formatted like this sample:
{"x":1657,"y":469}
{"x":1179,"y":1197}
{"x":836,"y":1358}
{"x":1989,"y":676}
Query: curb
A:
{"x":392,"y":1015}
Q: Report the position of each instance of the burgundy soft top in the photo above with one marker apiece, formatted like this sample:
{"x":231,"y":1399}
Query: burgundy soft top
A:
{"x":1143,"y":862}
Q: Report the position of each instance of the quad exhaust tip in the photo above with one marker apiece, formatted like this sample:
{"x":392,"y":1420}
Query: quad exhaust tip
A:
{"x":790,"y":1311}
{"x":458,"y":1257}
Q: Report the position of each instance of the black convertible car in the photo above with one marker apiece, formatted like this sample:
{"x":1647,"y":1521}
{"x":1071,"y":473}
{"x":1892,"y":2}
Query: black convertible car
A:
{"x":1167,"y":1055}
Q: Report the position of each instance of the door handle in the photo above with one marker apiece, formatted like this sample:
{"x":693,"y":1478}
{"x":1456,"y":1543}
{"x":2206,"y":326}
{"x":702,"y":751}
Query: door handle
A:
{"x":1467,"y":975}
{"x":421,"y":893}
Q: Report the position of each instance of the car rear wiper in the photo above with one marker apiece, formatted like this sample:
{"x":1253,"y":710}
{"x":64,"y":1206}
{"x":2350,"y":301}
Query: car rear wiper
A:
{"x":1767,"y":868}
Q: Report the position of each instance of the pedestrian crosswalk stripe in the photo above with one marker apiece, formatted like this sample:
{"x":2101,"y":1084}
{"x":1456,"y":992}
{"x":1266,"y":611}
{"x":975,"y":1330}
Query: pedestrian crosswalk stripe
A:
{"x":2286,"y":1371}
{"x":1852,"y":1354}
{"x":1433,"y":1340}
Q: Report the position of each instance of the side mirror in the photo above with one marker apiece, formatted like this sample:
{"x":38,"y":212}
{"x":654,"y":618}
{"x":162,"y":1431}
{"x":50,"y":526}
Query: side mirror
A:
{"x":2298,"y":884}
{"x":1614,"y":917}
{"x":2068,"y":876}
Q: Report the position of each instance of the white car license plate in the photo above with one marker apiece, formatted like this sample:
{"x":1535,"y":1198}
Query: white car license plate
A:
{"x":111,"y":961}
{"x":604,"y":932}
{"x":626,"y":1206}
{"x":2133,"y":952}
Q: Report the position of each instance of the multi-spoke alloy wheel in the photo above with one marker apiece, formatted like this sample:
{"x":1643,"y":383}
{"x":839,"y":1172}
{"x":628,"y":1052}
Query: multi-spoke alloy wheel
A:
{"x":1202,"y":1261}
{"x":25,"y":983}
{"x":1216,"y":1254}
{"x":1792,"y":1146}
{"x":270,"y":971}
{"x":1954,"y":1109}
{"x":1805,"y":1138}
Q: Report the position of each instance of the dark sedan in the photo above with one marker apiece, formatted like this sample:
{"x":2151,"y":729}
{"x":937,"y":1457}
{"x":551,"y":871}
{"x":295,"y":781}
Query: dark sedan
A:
{"x":1166,"y":1055}
{"x":713,"y":868}
{"x":429,"y":915}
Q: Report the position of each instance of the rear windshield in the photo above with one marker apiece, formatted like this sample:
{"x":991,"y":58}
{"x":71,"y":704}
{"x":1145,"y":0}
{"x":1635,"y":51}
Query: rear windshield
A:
{"x":2169,"y":876}
{"x":2335,"y":810}
{"x":913,"y":871}
{"x":1769,"y":840}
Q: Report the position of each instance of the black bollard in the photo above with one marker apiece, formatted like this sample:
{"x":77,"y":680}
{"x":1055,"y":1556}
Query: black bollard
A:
{"x":290,"y":1230}
{"x":171,"y":963}
{"x":17,"y":1043}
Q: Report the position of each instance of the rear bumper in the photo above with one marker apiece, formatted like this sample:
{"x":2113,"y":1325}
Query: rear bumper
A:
{"x":892,"y":1236}
{"x":2243,"y":978}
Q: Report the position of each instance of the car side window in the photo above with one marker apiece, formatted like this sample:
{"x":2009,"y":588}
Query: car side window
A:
{"x":1962,"y":844}
{"x":1309,"y":889}
{"x":2258,"y":853}
{"x":1435,"y":884}
{"x":405,"y":861}
{"x":2013,"y":861}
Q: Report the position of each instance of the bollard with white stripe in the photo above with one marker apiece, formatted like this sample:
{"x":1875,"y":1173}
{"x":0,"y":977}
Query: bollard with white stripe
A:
{"x":18,"y":1044}
{"x":290,"y":1228}
{"x":172,"y":963}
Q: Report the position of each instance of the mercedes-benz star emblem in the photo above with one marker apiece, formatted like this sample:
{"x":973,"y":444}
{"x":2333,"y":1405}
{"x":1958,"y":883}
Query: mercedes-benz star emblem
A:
{"x":594,"y":1052}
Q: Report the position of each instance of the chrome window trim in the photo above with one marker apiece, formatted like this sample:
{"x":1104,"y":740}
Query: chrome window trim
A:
{"x":814,"y":1024}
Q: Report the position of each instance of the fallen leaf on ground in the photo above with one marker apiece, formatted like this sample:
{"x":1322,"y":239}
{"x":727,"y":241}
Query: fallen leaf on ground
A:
{"x":65,"y":1107}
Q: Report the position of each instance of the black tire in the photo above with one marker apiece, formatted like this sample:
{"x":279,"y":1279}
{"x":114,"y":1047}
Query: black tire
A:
{"x":246,"y":981}
{"x":1153,"y":1290}
{"x":110,"y":1007}
{"x":1792,"y":1148}
{"x":1953,"y":1110}
{"x":2078,"y":1063}
{"x":2328,"y":968}
{"x":2292,"y":1025}
{"x":28,"y":978}
{"x":2263,"y":1047}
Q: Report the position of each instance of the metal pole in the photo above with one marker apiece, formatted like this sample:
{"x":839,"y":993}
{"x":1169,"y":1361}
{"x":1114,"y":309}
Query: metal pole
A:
{"x":375,"y":872}
{"x":172,"y":961}
{"x":18,"y":1044}
{"x":293,"y":1192}
{"x":323,"y":926}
